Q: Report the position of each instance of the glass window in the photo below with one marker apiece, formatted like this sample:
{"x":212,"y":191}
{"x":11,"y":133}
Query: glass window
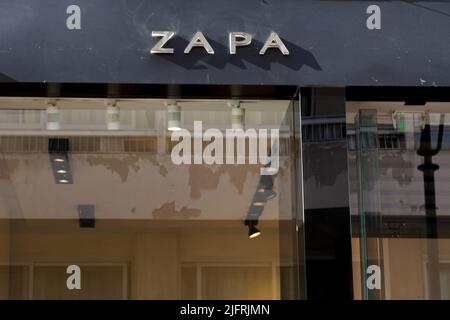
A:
{"x":399,"y":179}
{"x":148,"y":199}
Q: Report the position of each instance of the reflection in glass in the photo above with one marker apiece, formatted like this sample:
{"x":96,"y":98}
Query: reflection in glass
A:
{"x":93,"y":184}
{"x":399,"y":178}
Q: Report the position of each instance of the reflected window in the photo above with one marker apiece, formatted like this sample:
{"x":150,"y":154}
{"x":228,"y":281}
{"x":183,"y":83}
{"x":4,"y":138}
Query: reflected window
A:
{"x":399,"y":180}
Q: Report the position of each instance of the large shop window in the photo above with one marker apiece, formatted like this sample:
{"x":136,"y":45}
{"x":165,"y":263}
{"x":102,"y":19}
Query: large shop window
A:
{"x":399,"y":168}
{"x":103,"y":188}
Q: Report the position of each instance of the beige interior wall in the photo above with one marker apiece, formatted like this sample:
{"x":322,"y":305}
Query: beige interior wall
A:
{"x":72,"y":247}
{"x":4,"y":258}
{"x":407,"y":266}
{"x":155,"y":258}
{"x":356,"y":269}
{"x":404,"y":267}
{"x":155,"y":267}
{"x":99,"y":282}
{"x":228,"y":248}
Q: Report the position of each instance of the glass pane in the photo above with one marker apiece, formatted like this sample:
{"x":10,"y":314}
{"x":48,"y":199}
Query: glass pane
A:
{"x":326,"y":200}
{"x":148,"y":199}
{"x":399,"y":177}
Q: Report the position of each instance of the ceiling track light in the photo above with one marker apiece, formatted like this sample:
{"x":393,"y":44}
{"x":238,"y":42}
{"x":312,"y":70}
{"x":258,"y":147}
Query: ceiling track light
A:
{"x":61,"y":169}
{"x":58,"y":149}
{"x":237,"y":115}
{"x":173,"y":115}
{"x":112,"y":115}
{"x":53,"y":116}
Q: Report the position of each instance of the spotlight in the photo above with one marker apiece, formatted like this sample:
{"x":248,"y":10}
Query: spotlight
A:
{"x":253,"y":232}
{"x":252,"y":220}
{"x":52,"y":116}
{"x":112,"y":115}
{"x":173,"y":116}
{"x":61,"y":171}
{"x":237,"y":115}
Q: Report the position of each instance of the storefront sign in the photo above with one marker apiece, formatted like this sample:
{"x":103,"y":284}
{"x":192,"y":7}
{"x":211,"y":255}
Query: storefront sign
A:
{"x":236,"y":39}
{"x":257,"y":42}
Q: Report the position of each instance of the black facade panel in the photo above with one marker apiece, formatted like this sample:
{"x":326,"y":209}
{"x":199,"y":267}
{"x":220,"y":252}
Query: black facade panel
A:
{"x":329,"y":42}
